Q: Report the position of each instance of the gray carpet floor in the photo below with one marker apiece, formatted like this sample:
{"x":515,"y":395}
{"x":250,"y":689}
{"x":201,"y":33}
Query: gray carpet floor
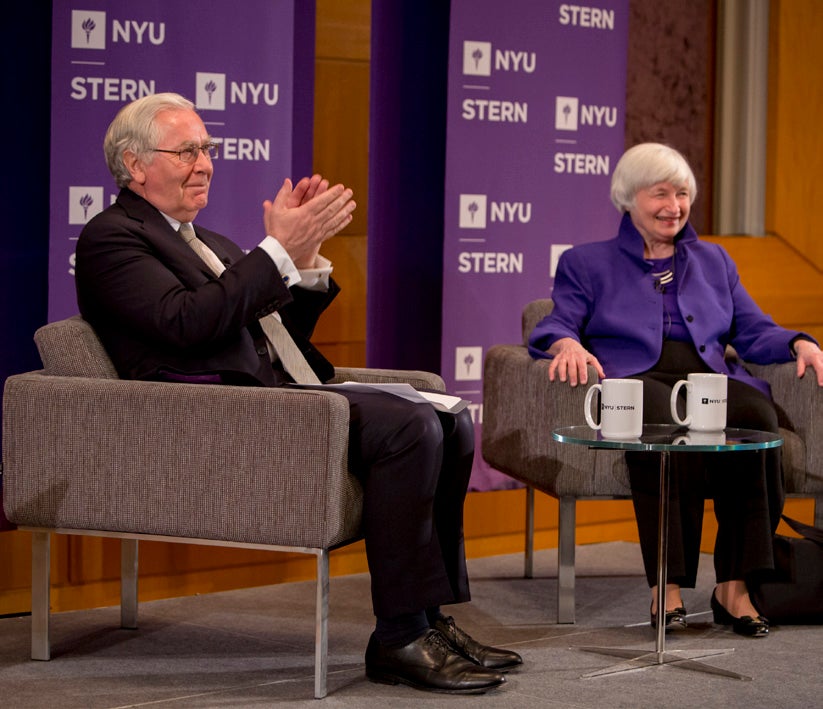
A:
{"x":254,"y":648}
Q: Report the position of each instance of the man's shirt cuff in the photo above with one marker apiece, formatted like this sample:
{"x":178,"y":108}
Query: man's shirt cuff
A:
{"x":316,"y":278}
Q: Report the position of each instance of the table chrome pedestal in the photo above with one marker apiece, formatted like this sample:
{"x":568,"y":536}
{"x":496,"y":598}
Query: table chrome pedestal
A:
{"x":663,"y":439}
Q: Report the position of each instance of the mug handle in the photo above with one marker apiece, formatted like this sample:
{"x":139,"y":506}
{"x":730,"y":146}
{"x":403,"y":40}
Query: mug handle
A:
{"x":673,"y":402}
{"x":587,"y":406}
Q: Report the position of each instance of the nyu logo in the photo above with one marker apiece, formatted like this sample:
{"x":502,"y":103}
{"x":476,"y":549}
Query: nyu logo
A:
{"x":477,"y":59}
{"x":88,"y":31}
{"x":468,"y":363}
{"x":211,"y":92}
{"x":569,"y":115}
{"x":84,"y":203}
{"x":473,"y":212}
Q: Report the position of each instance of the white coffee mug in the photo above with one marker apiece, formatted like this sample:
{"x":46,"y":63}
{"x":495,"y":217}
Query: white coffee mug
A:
{"x":705,"y":401}
{"x":621,"y":408}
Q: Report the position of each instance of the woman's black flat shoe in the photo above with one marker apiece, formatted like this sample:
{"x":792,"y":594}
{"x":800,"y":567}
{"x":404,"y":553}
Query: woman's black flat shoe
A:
{"x":675,"y":619}
{"x":745,"y":625}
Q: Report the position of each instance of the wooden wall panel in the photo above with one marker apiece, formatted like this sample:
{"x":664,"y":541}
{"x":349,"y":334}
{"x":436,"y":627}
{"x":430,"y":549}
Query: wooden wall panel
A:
{"x":782,"y":281}
{"x":341,"y":332}
{"x":795,"y":141}
{"x":341,"y":130}
{"x":343,"y":29}
{"x":341,"y":137}
{"x":15,"y":560}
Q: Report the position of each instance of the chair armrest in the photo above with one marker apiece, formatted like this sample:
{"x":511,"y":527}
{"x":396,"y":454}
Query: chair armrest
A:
{"x":259,"y":465}
{"x":71,"y":348}
{"x":521,"y":408}
{"x":533,"y":313}
{"x":799,"y":404}
{"x":418,"y":379}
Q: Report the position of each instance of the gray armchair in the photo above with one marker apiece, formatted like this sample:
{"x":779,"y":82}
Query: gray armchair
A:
{"x":88,"y":453}
{"x":521,"y":407}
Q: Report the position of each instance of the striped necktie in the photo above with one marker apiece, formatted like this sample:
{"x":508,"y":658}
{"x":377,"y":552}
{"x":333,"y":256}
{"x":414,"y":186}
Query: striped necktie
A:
{"x":276,"y":333}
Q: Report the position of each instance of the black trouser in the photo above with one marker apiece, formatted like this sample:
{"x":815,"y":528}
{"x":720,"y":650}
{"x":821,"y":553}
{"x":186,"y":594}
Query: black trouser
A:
{"x":746,"y":486}
{"x":414,"y":464}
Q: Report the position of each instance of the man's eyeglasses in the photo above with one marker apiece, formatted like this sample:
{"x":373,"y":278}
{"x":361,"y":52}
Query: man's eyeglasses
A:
{"x":189,"y":155}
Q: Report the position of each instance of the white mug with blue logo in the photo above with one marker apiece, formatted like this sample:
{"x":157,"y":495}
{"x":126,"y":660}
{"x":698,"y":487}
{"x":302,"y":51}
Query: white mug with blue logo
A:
{"x":705,"y":401}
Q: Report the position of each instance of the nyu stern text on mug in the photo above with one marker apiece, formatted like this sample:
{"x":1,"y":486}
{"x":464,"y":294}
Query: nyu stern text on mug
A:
{"x":705,"y":401}
{"x":621,"y":408}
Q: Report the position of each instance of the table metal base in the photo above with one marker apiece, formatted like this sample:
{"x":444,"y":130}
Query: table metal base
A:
{"x":661,"y":439}
{"x":637,"y":659}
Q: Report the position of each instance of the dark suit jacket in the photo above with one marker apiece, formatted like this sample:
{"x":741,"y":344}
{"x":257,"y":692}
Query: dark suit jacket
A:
{"x":160,"y":311}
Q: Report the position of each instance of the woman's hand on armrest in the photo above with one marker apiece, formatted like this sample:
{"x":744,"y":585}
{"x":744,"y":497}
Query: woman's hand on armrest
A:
{"x":570,"y":362}
{"x":809,"y":355}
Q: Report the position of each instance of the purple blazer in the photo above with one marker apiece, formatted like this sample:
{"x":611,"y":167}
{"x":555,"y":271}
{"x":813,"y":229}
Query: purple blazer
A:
{"x":605,"y":297}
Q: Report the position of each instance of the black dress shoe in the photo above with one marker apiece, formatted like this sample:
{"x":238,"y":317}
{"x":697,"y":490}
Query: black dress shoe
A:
{"x":489,"y":657}
{"x":745,"y":625}
{"x":428,"y":663}
{"x":675,"y":619}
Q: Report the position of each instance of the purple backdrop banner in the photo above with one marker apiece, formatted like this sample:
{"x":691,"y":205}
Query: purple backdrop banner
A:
{"x":535,"y":126}
{"x":235,"y":60}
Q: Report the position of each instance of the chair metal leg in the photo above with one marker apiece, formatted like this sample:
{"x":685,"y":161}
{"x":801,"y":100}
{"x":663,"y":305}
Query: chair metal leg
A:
{"x":528,"y":568}
{"x":818,"y":511}
{"x":565,"y":560}
{"x":128,"y":582}
{"x":321,"y":648}
{"x":40,"y":595}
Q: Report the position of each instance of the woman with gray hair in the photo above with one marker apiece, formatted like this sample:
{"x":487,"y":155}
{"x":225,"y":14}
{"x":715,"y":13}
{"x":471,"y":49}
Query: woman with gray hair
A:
{"x":656,"y":303}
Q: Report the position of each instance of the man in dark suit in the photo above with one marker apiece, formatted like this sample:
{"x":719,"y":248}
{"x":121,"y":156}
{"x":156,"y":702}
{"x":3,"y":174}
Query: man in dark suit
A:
{"x":167,"y":309}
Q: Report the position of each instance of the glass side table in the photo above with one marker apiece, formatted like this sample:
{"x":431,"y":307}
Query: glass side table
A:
{"x":663,"y":439}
